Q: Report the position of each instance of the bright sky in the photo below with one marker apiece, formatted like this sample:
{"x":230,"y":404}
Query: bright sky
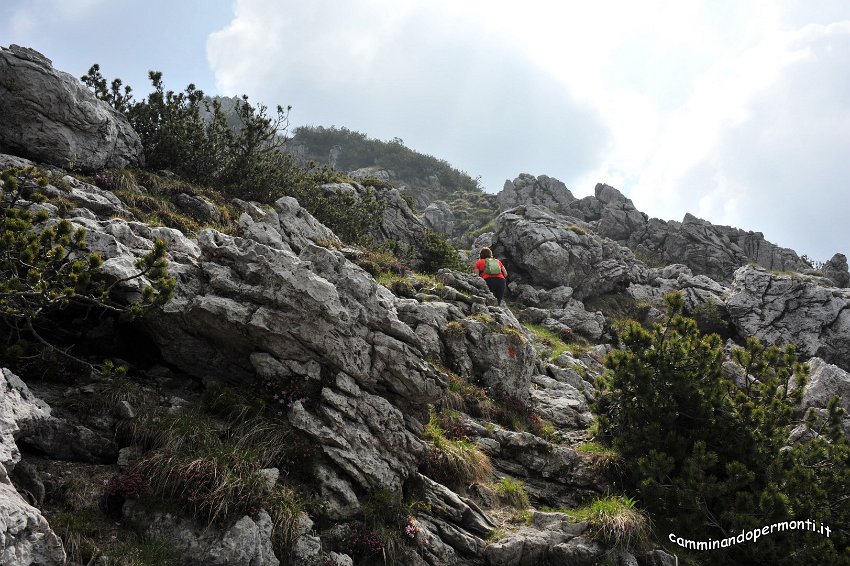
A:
{"x":738,"y":112}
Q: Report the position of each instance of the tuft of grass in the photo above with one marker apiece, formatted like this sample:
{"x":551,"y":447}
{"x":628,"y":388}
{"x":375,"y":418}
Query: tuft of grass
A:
{"x":512,"y":492}
{"x":615,"y":520}
{"x":453,"y":462}
{"x":380,"y":261}
{"x":231,"y":403}
{"x":602,"y":457}
{"x":454,"y":328}
{"x":548,"y":340}
{"x":521,"y":517}
{"x":596,"y":449}
{"x":514,"y":333}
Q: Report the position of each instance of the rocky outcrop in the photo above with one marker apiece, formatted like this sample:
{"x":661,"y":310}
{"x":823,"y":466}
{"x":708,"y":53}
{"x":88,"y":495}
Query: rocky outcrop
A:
{"x":398,"y":225}
{"x":695,"y":289}
{"x":245,"y":542}
{"x":440,"y":217}
{"x":556,"y":251}
{"x":18,"y":408}
{"x":49,"y":116}
{"x":707,"y":249}
{"x":792,"y":309}
{"x":836,"y":270}
{"x":25,"y":536}
{"x":541,"y":191}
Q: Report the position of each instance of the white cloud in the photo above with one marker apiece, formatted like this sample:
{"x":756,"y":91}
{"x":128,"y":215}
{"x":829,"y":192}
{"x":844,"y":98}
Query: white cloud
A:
{"x":685,"y":106}
{"x":27,"y":18}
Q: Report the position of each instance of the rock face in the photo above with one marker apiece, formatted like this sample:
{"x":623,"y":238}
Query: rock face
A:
{"x":706,"y":248}
{"x":398,"y":225}
{"x":785,"y":309}
{"x":246,"y":542}
{"x":541,"y":191}
{"x":25,"y":536}
{"x":276,"y":305}
{"x":555,"y":251}
{"x":836,"y":270}
{"x":440,"y":217}
{"x":49,"y":116}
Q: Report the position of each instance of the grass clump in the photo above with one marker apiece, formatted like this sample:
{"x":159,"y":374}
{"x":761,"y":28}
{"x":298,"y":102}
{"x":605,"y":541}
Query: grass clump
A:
{"x":546,"y":339}
{"x":615,"y":520}
{"x":512,"y":492}
{"x":454,"y":328}
{"x":453,"y":462}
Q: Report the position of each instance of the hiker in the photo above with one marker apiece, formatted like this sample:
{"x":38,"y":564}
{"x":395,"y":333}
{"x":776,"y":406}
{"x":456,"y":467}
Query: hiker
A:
{"x":493,"y":272}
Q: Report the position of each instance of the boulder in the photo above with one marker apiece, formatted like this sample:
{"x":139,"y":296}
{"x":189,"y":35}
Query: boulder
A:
{"x":836,"y":270}
{"x":244,"y":542}
{"x":439,"y":217}
{"x":18,"y":408}
{"x":792,"y":309}
{"x":198,"y":207}
{"x":555,"y":251}
{"x":25,"y":537}
{"x":542,"y":191}
{"x":49,"y":116}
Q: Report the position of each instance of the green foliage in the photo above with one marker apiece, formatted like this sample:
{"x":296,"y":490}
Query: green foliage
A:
{"x":239,"y":153}
{"x":453,"y":462}
{"x":45,"y":266}
{"x":546,"y":341}
{"x":706,"y":455}
{"x":437,"y":253}
{"x":615,"y":520}
{"x":512,"y":492}
{"x":358,"y":151}
{"x":712,"y":318}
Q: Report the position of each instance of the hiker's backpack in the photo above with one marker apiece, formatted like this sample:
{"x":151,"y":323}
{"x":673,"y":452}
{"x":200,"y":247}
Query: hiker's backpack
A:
{"x":491,"y":266}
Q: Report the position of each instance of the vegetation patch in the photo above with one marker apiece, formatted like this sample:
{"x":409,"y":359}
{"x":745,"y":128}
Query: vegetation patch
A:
{"x":454,"y":462}
{"x":616,"y":521}
{"x":547,"y":341}
{"x":512,"y":492}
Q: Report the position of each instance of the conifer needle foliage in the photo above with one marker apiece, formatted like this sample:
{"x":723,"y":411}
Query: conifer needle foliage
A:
{"x":45,"y":265}
{"x":710,"y":456}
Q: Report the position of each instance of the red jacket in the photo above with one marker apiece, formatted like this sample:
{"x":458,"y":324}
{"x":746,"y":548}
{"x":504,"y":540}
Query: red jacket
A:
{"x":480,"y":264}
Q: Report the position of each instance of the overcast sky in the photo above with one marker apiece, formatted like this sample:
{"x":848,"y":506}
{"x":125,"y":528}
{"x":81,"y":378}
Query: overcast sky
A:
{"x":738,"y":112}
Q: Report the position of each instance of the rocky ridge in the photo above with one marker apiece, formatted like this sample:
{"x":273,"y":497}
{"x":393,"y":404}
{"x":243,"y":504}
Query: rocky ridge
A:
{"x":281,"y":299}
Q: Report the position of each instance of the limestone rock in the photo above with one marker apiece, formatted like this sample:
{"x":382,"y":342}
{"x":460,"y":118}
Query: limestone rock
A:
{"x":552,"y":251}
{"x":440,"y":217}
{"x":825,"y":381}
{"x":836,"y":270}
{"x":541,"y":191}
{"x":534,"y":543}
{"x":18,"y":408}
{"x":785,"y":309}
{"x":198,"y":207}
{"x":245,"y":542}
{"x":49,"y":116}
{"x":25,"y":537}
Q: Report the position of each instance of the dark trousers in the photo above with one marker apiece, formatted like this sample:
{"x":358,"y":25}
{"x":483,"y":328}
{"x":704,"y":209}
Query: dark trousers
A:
{"x":497,"y":286}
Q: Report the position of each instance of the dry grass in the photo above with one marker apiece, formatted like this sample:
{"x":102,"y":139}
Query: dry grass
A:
{"x":616,"y":521}
{"x":454,"y":462}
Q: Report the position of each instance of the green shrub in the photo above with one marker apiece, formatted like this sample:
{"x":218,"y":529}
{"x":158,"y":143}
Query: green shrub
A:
{"x":712,"y":318}
{"x":437,"y":253}
{"x":46,"y":270}
{"x":616,"y":521}
{"x":708,"y":456}
{"x":455,"y":463}
{"x":512,"y":492}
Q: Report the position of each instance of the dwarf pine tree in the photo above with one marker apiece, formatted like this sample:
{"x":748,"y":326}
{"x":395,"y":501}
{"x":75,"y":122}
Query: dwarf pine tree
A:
{"x":45,"y":266}
{"x":706,"y":453}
